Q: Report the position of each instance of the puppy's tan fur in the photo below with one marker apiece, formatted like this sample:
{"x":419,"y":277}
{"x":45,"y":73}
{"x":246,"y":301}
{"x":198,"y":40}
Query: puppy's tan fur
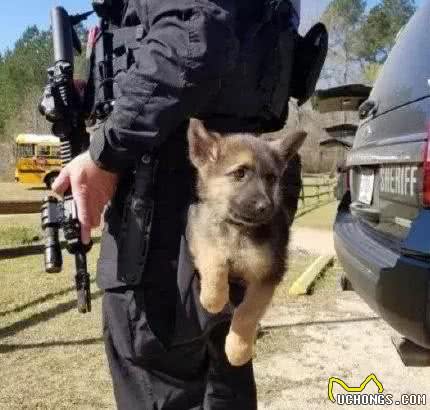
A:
{"x":238,"y":229}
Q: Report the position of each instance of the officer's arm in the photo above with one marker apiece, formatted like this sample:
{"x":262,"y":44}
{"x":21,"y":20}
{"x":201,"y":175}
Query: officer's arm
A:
{"x":177,"y":69}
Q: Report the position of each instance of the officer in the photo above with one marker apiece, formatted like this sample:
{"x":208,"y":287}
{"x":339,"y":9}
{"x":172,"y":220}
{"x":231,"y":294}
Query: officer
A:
{"x":156,"y":63}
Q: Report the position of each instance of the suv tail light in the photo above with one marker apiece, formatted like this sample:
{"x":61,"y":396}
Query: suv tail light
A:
{"x":426,"y":172}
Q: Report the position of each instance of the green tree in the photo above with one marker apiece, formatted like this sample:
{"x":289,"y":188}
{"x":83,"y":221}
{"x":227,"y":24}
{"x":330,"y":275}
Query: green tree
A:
{"x":343,"y":19}
{"x":23,"y":76}
{"x":23,"y":70}
{"x":378,"y":33}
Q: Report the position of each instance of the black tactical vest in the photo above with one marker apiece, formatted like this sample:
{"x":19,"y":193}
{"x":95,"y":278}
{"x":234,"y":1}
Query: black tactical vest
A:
{"x":274,"y":64}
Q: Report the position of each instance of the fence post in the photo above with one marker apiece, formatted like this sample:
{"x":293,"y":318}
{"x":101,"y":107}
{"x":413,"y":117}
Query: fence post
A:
{"x":302,"y":195}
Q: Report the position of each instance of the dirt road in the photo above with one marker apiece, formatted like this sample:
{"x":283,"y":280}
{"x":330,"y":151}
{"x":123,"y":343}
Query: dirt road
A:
{"x":315,"y":241}
{"x":313,"y":232}
{"x":329,"y":336}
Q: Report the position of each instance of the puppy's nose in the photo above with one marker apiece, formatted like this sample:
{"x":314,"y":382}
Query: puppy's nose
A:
{"x":263,"y":207}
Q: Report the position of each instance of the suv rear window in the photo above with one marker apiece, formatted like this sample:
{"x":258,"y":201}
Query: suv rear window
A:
{"x":406,"y":73}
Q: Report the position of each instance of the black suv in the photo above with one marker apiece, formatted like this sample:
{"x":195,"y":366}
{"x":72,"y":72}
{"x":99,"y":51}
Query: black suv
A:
{"x":382,"y":229}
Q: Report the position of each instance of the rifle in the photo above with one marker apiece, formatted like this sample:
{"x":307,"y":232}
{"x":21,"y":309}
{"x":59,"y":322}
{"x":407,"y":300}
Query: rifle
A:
{"x":61,"y":105}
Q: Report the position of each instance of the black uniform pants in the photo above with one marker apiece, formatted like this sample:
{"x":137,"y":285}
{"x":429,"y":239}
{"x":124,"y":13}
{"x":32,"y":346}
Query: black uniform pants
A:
{"x":148,"y":375}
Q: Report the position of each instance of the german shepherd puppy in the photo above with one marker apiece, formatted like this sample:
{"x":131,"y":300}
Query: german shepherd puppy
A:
{"x":239,"y":230}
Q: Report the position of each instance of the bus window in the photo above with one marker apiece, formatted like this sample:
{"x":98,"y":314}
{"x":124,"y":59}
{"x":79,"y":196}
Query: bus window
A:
{"x":43,"y":151}
{"x":24,"y":151}
{"x":55,"y":152}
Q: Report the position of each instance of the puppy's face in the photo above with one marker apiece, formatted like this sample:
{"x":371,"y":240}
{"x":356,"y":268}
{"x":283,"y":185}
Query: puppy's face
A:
{"x":239,"y":174}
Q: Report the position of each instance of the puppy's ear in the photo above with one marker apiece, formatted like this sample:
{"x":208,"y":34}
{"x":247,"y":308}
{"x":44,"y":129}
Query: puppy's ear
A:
{"x":204,"y":146}
{"x":290,"y":144}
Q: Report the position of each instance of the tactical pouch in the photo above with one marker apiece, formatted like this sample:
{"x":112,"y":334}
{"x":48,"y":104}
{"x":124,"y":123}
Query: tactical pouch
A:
{"x":136,"y":225}
{"x":113,"y":54}
{"x":126,"y":41}
{"x":310,"y":54}
{"x":273,"y":63}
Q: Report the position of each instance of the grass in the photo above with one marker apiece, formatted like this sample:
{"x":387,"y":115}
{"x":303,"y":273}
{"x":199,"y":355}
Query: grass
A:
{"x":51,"y":357}
{"x":298,"y":262}
{"x":19,"y":230}
{"x":328,"y":283}
{"x":24,"y":230}
{"x":11,"y":235}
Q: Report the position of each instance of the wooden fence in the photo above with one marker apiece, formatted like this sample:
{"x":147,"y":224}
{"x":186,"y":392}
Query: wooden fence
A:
{"x":19,"y":207}
{"x":317,"y":189}
{"x":315,"y":186}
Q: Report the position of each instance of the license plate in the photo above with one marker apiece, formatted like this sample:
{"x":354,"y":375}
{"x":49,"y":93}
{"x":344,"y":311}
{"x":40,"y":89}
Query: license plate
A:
{"x":367,"y":180}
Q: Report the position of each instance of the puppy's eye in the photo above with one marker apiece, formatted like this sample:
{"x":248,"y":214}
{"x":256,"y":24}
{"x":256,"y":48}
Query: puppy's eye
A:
{"x":239,"y":173}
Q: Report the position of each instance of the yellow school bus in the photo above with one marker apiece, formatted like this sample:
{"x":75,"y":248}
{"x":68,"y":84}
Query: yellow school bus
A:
{"x":37,"y":159}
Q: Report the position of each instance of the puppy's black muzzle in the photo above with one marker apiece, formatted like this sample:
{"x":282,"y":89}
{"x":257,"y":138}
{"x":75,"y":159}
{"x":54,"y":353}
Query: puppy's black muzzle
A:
{"x":255,"y":212}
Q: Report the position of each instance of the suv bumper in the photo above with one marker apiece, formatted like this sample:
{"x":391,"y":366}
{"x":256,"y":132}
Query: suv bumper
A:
{"x":393,"y":285}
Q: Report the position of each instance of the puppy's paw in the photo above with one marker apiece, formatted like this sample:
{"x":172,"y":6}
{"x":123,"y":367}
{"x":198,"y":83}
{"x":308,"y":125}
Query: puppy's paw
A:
{"x":214,"y":302}
{"x":238,"y":350}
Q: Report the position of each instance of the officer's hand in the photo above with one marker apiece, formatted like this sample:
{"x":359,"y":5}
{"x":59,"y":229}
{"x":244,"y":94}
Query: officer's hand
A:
{"x":92,"y":188}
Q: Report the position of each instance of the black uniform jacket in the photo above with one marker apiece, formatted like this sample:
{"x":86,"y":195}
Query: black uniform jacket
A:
{"x":188,"y":46}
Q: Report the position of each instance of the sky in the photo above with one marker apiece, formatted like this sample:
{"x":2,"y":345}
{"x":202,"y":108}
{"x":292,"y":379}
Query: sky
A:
{"x":16,"y":15}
